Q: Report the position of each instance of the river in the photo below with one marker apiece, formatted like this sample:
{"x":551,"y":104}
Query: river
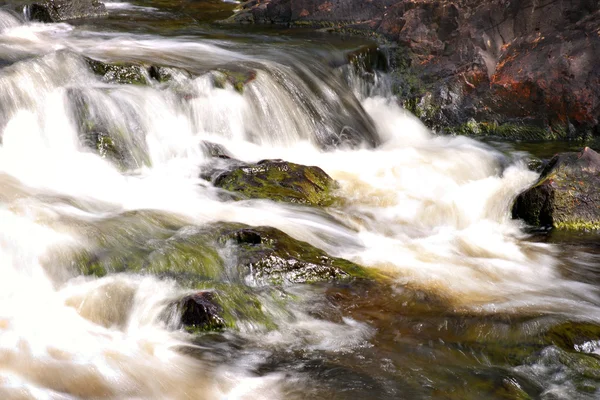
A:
{"x":473,"y":306}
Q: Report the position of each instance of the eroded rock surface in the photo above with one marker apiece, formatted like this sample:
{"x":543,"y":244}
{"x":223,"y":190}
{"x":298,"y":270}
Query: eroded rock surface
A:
{"x":510,"y":68}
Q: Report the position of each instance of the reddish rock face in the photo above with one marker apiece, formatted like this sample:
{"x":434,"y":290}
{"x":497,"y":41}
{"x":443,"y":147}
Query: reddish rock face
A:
{"x":530,"y":62}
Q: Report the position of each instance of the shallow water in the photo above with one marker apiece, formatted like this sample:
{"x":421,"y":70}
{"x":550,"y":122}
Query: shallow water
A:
{"x":473,"y":307}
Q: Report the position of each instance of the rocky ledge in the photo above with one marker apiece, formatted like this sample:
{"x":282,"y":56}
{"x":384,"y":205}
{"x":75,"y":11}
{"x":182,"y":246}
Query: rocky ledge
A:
{"x":523,"y":69}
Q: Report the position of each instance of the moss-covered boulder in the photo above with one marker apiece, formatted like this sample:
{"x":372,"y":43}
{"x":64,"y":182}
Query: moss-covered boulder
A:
{"x":265,"y":255}
{"x":119,"y":73}
{"x":278,"y":180}
{"x":221,"y":252}
{"x":567,"y":194}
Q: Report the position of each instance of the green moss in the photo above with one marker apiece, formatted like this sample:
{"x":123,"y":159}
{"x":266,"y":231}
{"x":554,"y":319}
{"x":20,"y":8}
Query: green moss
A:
{"x":569,"y":335}
{"x":238,"y":79}
{"x":268,"y":256}
{"x":280,"y":181}
{"x":504,"y":131}
{"x":240,"y":305}
{"x":119,"y":73}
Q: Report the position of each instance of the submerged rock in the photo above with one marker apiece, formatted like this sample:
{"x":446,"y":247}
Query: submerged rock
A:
{"x":62,"y":10}
{"x":278,"y":180}
{"x":238,"y":78}
{"x":121,"y":142}
{"x":221,"y":252}
{"x":567,"y":194}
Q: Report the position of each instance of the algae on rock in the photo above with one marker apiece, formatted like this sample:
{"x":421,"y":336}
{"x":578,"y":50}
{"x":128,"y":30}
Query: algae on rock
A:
{"x":279,"y":180}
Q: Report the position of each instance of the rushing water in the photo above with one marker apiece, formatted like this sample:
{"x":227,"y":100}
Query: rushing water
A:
{"x":471,"y":299}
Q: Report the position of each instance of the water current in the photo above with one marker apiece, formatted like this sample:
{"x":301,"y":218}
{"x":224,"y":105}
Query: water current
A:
{"x":471,"y":307}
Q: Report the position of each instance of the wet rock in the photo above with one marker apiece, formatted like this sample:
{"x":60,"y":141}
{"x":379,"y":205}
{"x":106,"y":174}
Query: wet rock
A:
{"x":222,"y":252}
{"x":119,"y":73}
{"x":238,"y":78}
{"x":200,"y":312}
{"x":508,"y":68}
{"x":215,"y":150}
{"x":566,"y":196}
{"x":266,"y":255}
{"x":278,"y":180}
{"x":62,"y":10}
{"x":121,"y":142}
{"x":129,"y":73}
{"x":572,"y":336}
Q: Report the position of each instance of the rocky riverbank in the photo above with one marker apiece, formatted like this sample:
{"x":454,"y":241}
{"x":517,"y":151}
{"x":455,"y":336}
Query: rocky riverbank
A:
{"x":507,"y":68}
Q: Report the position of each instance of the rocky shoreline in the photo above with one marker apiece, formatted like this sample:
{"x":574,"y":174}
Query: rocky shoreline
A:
{"x":513,"y":69}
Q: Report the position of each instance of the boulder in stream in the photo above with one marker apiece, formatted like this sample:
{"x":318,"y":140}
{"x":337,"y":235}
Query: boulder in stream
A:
{"x":63,"y":10}
{"x":278,"y":180}
{"x":567,"y":194}
{"x":220,"y":252}
{"x":266,"y":255}
{"x":119,"y":72}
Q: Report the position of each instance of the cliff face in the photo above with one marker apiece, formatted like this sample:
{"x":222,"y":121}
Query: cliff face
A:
{"x":520,"y":68}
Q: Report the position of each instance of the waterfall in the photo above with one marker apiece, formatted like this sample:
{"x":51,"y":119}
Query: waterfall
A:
{"x":79,"y":150}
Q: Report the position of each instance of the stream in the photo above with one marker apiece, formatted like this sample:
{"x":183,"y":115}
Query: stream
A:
{"x":473,"y":305}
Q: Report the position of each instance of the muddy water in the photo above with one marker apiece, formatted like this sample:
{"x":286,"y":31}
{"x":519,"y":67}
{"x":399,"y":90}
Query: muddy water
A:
{"x":472,"y":307}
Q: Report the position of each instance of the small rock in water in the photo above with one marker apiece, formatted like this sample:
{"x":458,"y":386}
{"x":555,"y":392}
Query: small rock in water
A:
{"x":279,"y":180}
{"x":200,"y":312}
{"x":566,"y":196}
{"x":63,"y":10}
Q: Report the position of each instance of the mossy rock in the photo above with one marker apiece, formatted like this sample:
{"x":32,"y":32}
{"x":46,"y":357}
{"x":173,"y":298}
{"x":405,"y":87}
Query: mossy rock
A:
{"x":185,"y":257}
{"x":122,"y":73}
{"x":566,"y":196}
{"x":244,"y":266}
{"x":571,"y":336}
{"x":237,"y":78}
{"x":279,"y":180}
{"x":266,"y":256}
{"x":222,"y":252}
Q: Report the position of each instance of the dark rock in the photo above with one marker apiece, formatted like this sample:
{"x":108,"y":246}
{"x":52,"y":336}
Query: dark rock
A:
{"x":120,"y":73}
{"x":511,"y":68}
{"x":201,"y":312}
{"x":566,"y":196}
{"x":278,"y":180}
{"x":62,"y":10}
